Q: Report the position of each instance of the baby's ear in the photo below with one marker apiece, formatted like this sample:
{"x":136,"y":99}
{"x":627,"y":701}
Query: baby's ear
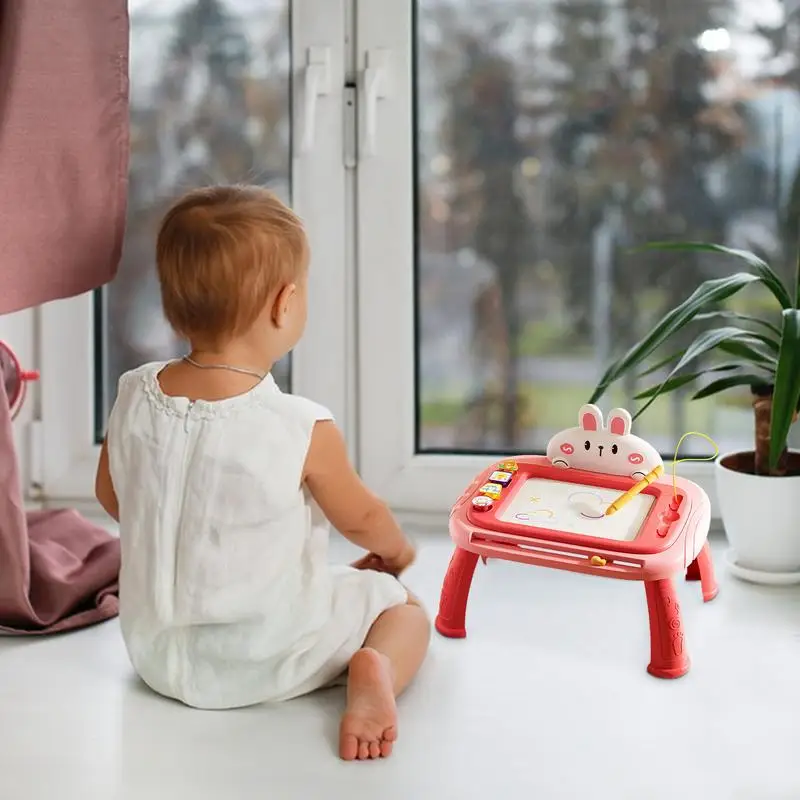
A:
{"x":619,"y":422}
{"x":590,"y":418}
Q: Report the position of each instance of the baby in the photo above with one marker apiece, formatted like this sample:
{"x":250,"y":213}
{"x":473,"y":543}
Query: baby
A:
{"x":224,"y":488}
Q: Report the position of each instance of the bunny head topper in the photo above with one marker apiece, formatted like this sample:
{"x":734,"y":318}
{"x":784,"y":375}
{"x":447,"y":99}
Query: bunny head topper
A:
{"x":613,"y":450}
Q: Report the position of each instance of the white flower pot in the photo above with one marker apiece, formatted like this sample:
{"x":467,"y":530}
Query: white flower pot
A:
{"x":761,"y":516}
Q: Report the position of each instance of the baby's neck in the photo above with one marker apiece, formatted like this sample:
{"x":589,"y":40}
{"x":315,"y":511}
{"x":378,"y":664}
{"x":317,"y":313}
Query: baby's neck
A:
{"x":236,"y":353}
{"x":214,"y":378}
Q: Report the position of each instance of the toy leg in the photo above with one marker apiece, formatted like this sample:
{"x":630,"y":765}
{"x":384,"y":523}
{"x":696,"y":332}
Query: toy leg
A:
{"x":702,"y":569}
{"x":455,"y":591}
{"x":668,"y":658}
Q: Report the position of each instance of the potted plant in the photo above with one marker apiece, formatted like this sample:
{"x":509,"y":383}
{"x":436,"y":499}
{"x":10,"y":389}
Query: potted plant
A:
{"x":759,"y":489}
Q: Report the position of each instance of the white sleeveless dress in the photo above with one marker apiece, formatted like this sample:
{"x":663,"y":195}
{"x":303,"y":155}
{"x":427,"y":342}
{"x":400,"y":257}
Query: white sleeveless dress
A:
{"x":227,"y":598}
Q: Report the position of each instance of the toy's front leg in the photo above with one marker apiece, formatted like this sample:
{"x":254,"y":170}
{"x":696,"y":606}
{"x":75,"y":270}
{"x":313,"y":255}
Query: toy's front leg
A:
{"x":668,"y":657}
{"x":455,"y":591}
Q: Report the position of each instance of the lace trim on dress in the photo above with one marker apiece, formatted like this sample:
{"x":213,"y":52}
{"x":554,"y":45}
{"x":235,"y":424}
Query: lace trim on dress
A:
{"x":204,"y":409}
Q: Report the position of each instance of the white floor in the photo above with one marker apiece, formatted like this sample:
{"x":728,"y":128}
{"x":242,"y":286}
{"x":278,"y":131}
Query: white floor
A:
{"x":547,"y":698}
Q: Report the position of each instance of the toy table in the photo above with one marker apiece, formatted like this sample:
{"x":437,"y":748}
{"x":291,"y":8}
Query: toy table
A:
{"x":552,"y":517}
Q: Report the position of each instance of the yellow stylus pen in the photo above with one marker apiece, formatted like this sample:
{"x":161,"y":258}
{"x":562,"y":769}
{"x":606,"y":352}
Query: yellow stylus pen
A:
{"x":634,"y":490}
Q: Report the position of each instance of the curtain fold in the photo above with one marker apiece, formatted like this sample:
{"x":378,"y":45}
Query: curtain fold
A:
{"x":57,"y":570}
{"x":63,"y":147}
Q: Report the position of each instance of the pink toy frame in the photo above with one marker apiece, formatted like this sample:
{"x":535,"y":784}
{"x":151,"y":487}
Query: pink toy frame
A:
{"x":21,"y":378}
{"x":672,"y":539}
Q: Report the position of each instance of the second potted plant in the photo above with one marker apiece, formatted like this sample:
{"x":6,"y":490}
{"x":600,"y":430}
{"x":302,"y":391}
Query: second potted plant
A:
{"x":759,"y":489}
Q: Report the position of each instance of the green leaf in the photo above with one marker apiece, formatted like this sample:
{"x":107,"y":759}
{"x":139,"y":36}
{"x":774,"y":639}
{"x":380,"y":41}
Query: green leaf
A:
{"x":786,"y":394}
{"x":723,"y":384}
{"x":709,"y":293}
{"x":663,"y":363}
{"x":735,"y":316}
{"x":705,"y":342}
{"x":760,"y":338}
{"x":668,"y":386}
{"x":681,"y":380}
{"x":759,"y":267}
{"x":797,"y":277}
{"x":748,"y":351}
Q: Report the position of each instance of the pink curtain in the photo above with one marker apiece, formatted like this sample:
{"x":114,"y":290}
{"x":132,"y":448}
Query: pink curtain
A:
{"x":63,"y":147}
{"x":63,"y":166}
{"x":57,"y":570}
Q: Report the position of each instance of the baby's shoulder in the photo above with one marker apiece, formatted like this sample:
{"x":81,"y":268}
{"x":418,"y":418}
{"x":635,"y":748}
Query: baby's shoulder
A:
{"x":296,"y":413}
{"x":299,"y":408}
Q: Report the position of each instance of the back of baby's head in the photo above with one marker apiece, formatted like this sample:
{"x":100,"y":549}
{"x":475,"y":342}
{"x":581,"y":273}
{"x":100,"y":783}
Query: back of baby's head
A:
{"x":221,"y":253}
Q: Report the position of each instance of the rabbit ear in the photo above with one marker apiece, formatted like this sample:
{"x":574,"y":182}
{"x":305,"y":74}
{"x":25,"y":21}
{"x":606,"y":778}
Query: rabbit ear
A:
{"x":590,"y":418}
{"x":619,"y":422}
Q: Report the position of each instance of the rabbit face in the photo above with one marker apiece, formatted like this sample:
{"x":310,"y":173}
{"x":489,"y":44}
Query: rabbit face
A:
{"x":613,"y":450}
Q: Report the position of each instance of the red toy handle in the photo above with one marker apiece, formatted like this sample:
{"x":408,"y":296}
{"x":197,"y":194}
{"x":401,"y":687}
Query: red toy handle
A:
{"x":29,"y":375}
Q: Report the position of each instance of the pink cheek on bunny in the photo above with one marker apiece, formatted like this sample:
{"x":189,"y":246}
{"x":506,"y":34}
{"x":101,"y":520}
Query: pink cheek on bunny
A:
{"x":567,"y":449}
{"x":636,"y":458}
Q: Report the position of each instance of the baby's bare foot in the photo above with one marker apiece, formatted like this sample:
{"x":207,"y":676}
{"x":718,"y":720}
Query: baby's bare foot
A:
{"x":369,"y":724}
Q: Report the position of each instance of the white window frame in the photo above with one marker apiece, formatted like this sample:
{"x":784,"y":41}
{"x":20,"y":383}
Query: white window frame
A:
{"x":413,"y":483}
{"x":355,"y":357}
{"x":321,"y":365}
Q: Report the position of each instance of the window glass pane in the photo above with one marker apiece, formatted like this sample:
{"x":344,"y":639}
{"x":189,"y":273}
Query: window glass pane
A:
{"x":554,"y":136}
{"x":210,"y":103}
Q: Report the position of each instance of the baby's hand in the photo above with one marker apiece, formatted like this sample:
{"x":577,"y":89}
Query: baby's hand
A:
{"x":402,"y":561}
{"x":370,"y":561}
{"x":394,"y":566}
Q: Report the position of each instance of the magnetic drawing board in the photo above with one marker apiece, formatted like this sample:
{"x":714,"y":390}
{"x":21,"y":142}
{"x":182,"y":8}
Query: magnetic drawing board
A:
{"x":576,"y":508}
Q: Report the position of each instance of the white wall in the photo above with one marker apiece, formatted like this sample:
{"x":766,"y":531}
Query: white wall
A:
{"x":18,"y":331}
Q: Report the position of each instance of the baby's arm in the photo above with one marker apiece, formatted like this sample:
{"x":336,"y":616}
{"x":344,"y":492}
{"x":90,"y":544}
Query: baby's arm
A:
{"x":104,"y":488}
{"x":348,"y":504}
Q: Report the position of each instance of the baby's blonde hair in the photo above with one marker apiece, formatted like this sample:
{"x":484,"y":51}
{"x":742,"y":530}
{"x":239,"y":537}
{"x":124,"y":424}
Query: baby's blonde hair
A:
{"x":221,"y":252}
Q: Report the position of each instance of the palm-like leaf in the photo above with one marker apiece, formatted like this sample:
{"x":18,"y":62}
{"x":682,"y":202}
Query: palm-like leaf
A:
{"x":679,"y":381}
{"x":666,"y":361}
{"x":704,"y":343}
{"x":731,"y":348}
{"x":797,"y":279}
{"x":757,"y":265}
{"x":708,"y":294}
{"x":723,"y":384}
{"x":749,"y":351}
{"x":735,"y":316}
{"x":786,"y":392}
